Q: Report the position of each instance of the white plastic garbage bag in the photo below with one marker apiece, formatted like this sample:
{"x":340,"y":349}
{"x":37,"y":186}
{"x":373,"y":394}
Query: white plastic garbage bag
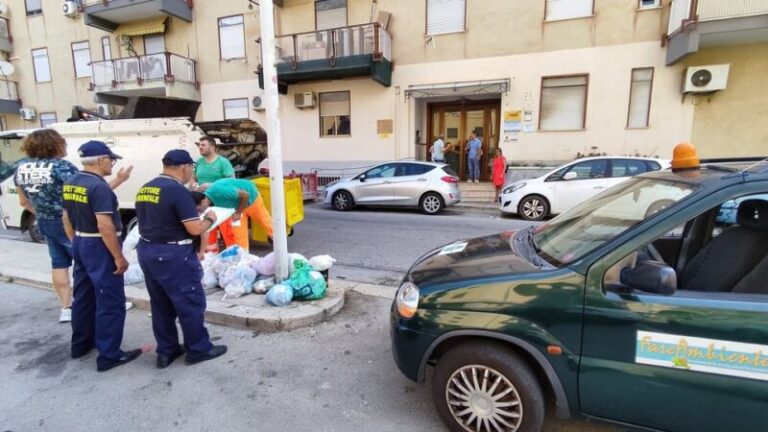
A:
{"x":280,"y":295}
{"x":209,"y":278}
{"x":266,"y":265}
{"x":261,"y":286}
{"x":322,"y":262}
{"x":131,"y":240}
{"x":238,"y":280}
{"x":133,"y":275}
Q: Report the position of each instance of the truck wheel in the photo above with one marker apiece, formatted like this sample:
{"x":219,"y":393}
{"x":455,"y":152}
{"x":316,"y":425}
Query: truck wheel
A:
{"x":533,"y":207}
{"x":486,"y":387}
{"x":128,"y":227}
{"x":34,"y":231}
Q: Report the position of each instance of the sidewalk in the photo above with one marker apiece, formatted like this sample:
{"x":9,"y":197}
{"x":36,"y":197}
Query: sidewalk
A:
{"x":28,"y":263}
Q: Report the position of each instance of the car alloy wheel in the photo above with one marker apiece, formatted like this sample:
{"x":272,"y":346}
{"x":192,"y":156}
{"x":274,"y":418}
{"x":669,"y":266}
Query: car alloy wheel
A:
{"x":533,"y":207}
{"x":481,"y":398}
{"x":342,"y":201}
{"x":431,"y":203}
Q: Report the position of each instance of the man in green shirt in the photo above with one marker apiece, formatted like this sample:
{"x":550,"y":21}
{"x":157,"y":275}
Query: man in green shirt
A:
{"x":209,"y":168}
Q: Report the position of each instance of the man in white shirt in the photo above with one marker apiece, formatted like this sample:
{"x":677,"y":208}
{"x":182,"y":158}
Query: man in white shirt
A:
{"x":438,"y":150}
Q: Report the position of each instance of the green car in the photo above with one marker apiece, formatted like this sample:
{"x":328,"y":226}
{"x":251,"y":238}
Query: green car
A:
{"x":634,"y":307}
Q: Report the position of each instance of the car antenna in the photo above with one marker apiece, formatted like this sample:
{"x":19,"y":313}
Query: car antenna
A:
{"x":763,"y":163}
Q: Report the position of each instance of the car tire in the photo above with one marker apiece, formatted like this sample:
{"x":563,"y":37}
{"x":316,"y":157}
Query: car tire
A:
{"x":431,"y":203}
{"x":533,"y":208}
{"x":34,"y":231}
{"x":129,"y":226}
{"x":342,"y":201}
{"x":468,"y":374}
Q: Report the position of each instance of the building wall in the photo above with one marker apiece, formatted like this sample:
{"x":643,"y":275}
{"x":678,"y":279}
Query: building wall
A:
{"x":731,"y":122}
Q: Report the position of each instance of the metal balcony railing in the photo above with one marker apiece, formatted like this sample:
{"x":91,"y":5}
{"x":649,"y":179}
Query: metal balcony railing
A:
{"x":333,"y":44}
{"x":8,"y":90}
{"x":87,"y":3}
{"x":685,"y":11}
{"x":151,"y":67}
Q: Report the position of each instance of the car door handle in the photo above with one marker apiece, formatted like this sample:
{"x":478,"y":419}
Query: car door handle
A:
{"x":599,"y":187}
{"x":421,"y":180}
{"x":386,"y":182}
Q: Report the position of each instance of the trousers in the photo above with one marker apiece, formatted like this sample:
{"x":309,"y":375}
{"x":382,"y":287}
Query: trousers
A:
{"x":239,"y":235}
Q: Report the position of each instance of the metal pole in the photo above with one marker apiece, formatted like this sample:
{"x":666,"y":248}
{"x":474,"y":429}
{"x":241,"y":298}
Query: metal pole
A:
{"x":274,"y":141}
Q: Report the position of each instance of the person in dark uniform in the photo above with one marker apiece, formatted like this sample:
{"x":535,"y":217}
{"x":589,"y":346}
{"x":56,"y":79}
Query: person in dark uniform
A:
{"x":92,"y":222}
{"x":168,"y":221}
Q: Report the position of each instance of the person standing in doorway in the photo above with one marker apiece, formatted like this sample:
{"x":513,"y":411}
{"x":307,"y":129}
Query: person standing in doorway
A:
{"x":437,"y":151}
{"x":474,"y":153}
{"x":92,"y":222}
{"x":498,"y":172}
{"x":211,"y":167}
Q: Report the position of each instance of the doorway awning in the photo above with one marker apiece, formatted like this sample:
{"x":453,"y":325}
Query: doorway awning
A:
{"x":459,"y":88}
{"x":153,"y":26}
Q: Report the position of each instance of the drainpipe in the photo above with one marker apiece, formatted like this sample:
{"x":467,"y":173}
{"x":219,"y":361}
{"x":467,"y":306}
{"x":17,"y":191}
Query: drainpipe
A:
{"x":274,"y":141}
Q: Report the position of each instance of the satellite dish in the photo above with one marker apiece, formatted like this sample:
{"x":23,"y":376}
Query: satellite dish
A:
{"x":6,"y":68}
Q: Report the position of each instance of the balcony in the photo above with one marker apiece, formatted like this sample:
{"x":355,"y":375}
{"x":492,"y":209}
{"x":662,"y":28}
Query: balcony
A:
{"x":164,"y":75}
{"x":9,"y":98}
{"x":697,"y":24}
{"x":6,"y":41}
{"x":356,"y":51}
{"x":107,"y":15}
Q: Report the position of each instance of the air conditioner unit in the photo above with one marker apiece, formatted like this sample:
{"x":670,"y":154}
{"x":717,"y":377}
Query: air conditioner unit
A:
{"x":28,"y":113}
{"x":705,"y":79}
{"x":105,"y":110}
{"x":4,"y":9}
{"x":258,"y":103}
{"x":304,"y":100}
{"x":70,"y":9}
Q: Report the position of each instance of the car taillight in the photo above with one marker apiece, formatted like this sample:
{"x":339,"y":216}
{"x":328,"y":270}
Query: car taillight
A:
{"x":450,"y":179}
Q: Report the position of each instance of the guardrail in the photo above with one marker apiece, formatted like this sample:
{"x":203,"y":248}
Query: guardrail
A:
{"x":87,"y":3}
{"x":137,"y":69}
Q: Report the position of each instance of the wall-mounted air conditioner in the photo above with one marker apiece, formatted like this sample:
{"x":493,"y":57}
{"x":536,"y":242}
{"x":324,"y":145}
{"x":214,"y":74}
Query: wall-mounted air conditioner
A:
{"x":304,"y":100}
{"x":70,"y":9}
{"x":705,"y":79}
{"x":258,"y":103}
{"x":28,"y":113}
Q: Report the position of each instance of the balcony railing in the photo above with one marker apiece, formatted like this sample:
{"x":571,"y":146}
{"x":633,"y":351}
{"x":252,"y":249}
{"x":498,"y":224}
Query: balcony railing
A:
{"x":136,"y":70}
{"x":685,"y":11}
{"x":8,"y":90}
{"x":87,"y":3}
{"x":332,"y":44}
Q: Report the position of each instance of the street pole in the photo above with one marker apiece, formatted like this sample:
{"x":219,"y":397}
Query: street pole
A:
{"x":274,"y":140}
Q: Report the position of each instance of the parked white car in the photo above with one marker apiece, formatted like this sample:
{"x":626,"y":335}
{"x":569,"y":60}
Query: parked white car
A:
{"x":568,"y":185}
{"x":424,"y":185}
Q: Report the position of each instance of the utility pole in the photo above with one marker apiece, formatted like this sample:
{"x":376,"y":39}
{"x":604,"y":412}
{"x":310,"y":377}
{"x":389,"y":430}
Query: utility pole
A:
{"x":274,"y":139}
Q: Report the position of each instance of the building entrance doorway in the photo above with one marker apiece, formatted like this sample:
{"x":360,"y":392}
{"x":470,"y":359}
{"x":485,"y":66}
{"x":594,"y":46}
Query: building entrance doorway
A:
{"x":456,"y":121}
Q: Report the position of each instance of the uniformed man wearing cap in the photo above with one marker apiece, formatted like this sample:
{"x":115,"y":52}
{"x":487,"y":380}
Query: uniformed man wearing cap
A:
{"x":92,"y":221}
{"x":168,"y":219}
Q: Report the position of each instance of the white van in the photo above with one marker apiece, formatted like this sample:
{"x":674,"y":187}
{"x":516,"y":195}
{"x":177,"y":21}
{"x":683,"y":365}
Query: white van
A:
{"x":141,"y":142}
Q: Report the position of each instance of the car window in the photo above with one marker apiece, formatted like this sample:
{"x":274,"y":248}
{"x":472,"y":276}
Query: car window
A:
{"x":416,"y":169}
{"x":653,"y":165}
{"x":450,"y":171}
{"x":627,"y":167}
{"x":589,"y":169}
{"x":381,"y":171}
{"x":726,"y":215}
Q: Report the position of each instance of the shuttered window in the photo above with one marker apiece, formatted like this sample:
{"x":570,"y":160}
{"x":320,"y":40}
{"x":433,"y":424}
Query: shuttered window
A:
{"x":41,"y":65}
{"x":330,"y":14}
{"x":335,"y":119}
{"x":566,"y":9}
{"x":81,"y":56}
{"x":640,"y":98}
{"x":235,"y":109}
{"x":445,"y":16}
{"x":563,"y":103}
{"x":231,"y":37}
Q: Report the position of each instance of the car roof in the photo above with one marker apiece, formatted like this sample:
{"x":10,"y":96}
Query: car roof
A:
{"x":711,"y":174}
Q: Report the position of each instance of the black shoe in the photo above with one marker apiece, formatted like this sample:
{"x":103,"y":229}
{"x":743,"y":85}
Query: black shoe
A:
{"x":165,"y":360}
{"x":216,"y":351}
{"x":77,"y":353}
{"x":127,"y":357}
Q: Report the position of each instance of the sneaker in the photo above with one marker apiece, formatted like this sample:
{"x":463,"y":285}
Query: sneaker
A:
{"x":477,"y":181}
{"x":469,"y":181}
{"x":128,"y":305}
{"x":66,"y":315}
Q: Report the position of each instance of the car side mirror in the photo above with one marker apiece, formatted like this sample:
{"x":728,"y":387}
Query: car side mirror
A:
{"x":362,"y":177}
{"x":650,"y":276}
{"x":570,"y":175}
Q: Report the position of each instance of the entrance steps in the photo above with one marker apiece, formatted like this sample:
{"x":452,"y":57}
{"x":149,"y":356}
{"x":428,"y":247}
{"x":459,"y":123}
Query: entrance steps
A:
{"x":477,"y":196}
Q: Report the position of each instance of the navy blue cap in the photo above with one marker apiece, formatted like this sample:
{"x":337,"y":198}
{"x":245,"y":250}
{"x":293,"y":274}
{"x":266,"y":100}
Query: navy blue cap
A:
{"x":177,"y":157}
{"x":96,"y":148}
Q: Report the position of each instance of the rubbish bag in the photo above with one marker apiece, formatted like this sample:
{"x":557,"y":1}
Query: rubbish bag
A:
{"x":261,"y":286}
{"x":233,"y":253}
{"x":294,"y":259}
{"x":209,"y":278}
{"x":322,"y":262}
{"x":307,"y":283}
{"x":238,"y":280}
{"x":131,"y":240}
{"x":252,"y":261}
{"x":266,"y":265}
{"x":280,"y":295}
{"x":133,"y":275}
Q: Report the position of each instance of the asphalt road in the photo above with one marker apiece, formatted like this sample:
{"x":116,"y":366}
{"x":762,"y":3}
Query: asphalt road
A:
{"x":336,"y":376}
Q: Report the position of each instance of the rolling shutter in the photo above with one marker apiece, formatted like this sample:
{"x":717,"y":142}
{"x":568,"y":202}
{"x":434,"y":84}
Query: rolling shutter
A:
{"x":445,"y":16}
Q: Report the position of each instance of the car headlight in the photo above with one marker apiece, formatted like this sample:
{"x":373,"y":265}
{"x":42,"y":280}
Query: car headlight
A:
{"x":513,"y":187}
{"x":407,"y":299}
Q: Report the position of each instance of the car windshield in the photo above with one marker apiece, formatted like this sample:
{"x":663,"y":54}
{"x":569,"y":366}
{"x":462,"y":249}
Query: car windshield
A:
{"x":10,"y":154}
{"x":575,"y":233}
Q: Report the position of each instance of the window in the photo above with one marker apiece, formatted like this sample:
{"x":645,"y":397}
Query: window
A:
{"x":649,"y":4}
{"x":81,"y":55}
{"x":34,"y":7}
{"x":627,"y":167}
{"x":3,"y":123}
{"x":231,"y":37}
{"x":154,"y":44}
{"x":589,"y":169}
{"x":416,"y":169}
{"x":330,"y":14}
{"x":235,"y":109}
{"x":41,"y":65}
{"x":47,"y":119}
{"x":106,"y":49}
{"x":446,"y":16}
{"x":563,"y":103}
{"x":334,"y":114}
{"x":567,"y":9}
{"x":381,"y":171}
{"x":640,"y":98}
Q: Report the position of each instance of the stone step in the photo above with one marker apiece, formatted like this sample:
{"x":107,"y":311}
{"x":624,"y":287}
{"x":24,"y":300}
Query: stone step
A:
{"x":485,"y":207}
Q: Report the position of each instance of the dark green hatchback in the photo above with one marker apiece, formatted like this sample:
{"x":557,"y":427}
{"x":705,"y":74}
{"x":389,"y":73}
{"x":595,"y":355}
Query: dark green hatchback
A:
{"x":638,"y":307}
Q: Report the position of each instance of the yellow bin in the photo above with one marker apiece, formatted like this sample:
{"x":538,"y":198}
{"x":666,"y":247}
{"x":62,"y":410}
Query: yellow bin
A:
{"x":294,"y":204}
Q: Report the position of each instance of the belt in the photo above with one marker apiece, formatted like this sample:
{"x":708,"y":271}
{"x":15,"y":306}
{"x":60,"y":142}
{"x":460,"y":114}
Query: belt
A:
{"x":180,"y":242}
{"x":86,"y":234}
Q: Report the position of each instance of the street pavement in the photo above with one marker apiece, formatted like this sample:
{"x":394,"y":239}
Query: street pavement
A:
{"x":335,"y":376}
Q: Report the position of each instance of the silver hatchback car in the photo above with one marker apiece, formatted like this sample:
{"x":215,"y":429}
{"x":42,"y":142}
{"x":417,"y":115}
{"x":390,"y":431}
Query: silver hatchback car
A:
{"x":425,"y":185}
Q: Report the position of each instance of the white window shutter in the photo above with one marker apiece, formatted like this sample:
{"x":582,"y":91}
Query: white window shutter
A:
{"x":563,"y":101}
{"x":640,"y":98}
{"x":331,"y":18}
{"x":565,"y":9}
{"x":445,"y":16}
